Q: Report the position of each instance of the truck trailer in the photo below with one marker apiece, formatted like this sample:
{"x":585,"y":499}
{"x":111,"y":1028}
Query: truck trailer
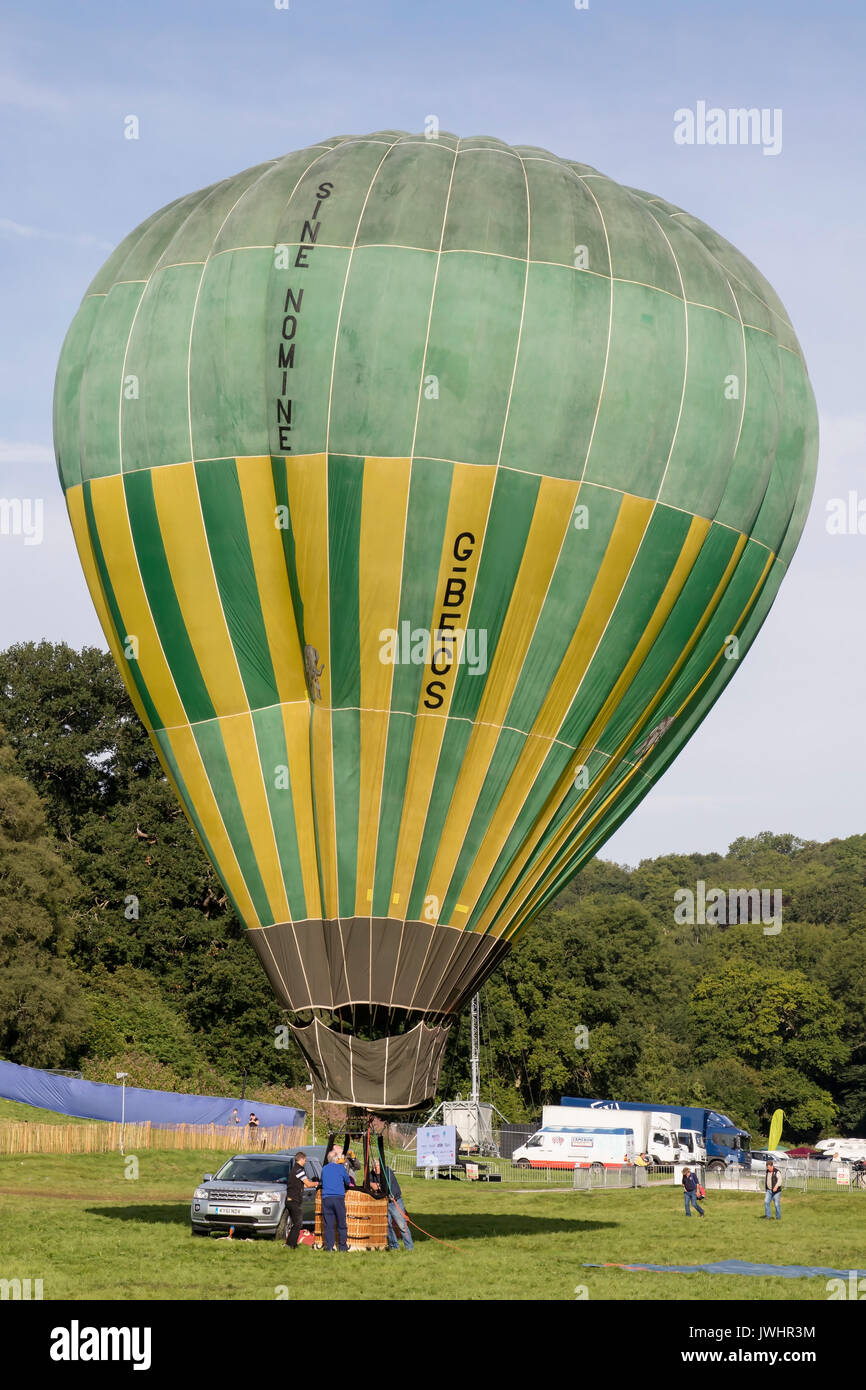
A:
{"x":656,"y":1132}
{"x":704,"y":1135}
{"x":574,"y":1145}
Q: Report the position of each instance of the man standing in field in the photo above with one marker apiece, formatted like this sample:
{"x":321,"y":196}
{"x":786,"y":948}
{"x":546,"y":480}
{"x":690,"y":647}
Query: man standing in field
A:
{"x":690,"y":1191}
{"x":335,"y":1180}
{"x":385,"y":1181}
{"x":295,"y":1184}
{"x":772,"y":1191}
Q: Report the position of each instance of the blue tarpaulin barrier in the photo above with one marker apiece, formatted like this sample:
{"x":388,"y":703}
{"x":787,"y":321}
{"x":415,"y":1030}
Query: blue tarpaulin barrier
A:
{"x":744,"y":1267}
{"x":91,"y":1100}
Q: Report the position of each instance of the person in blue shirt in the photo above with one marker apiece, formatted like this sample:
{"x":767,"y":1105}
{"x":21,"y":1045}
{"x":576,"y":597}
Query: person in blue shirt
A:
{"x":335,"y":1180}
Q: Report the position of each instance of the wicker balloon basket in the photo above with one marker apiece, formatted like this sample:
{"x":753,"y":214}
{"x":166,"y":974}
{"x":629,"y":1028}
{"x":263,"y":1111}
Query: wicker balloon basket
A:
{"x":366,"y":1221}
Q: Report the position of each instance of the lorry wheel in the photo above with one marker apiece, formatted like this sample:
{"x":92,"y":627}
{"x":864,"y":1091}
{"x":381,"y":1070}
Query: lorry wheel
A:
{"x":596,"y":1167}
{"x":522,"y":1163}
{"x":716,"y":1166}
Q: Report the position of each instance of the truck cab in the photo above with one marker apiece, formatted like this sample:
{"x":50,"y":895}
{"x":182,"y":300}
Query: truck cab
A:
{"x":692,"y":1147}
{"x":726,"y":1144}
{"x":663,"y":1145}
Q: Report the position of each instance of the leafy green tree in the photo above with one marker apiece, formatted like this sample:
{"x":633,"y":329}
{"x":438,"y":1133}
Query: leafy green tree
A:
{"x":730,"y":1086}
{"x":535,"y":1004}
{"x":129,"y":1010}
{"x":809,"y":1108}
{"x":851,"y":1092}
{"x":43,"y":1016}
{"x":749,"y":848}
{"x":760,"y":1015}
{"x":73,"y":727}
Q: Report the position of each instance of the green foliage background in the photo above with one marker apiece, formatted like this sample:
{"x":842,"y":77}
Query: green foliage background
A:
{"x":119,"y":949}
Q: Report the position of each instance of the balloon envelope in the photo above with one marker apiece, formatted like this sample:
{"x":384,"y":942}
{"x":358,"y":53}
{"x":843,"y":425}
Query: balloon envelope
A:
{"x":429,"y":492}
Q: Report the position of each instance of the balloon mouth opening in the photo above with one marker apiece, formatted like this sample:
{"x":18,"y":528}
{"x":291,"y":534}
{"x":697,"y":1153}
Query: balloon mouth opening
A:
{"x":371,"y":1022}
{"x":396,"y":1070}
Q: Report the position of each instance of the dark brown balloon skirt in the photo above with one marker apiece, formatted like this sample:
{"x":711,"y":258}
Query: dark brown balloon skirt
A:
{"x":400,"y":968}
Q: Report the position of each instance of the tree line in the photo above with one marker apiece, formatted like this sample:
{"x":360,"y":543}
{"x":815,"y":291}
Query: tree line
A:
{"x":120,"y":951}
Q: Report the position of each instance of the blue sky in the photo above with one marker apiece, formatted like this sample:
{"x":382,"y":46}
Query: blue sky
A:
{"x":219,"y":86}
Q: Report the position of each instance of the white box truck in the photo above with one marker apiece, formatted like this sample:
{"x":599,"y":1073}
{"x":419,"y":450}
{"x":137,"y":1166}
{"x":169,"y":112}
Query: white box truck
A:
{"x":573,"y":1145}
{"x":704,"y":1135}
{"x":655,"y":1132}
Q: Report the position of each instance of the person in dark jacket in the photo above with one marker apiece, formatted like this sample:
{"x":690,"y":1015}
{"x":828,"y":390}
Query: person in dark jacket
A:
{"x":690,"y":1191}
{"x":335,"y":1180}
{"x":385,"y":1181}
{"x":296,"y":1183}
{"x":772,"y":1191}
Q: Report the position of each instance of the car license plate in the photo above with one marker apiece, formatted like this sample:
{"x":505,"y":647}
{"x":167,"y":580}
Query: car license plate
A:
{"x":228,"y":1211}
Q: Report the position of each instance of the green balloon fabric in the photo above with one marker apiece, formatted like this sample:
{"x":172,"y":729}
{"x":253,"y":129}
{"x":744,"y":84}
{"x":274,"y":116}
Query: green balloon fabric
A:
{"x":429,"y":492}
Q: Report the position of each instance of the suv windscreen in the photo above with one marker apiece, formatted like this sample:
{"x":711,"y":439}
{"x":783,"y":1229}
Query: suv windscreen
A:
{"x":256,"y":1170}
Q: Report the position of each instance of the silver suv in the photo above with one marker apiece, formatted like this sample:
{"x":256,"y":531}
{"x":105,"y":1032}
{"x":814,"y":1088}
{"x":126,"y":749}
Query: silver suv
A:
{"x":249,"y":1193}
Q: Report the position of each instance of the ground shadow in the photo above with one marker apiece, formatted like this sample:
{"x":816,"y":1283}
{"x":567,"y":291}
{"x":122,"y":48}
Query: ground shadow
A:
{"x":152,"y":1214}
{"x":483,"y":1226}
{"x":439,"y":1226}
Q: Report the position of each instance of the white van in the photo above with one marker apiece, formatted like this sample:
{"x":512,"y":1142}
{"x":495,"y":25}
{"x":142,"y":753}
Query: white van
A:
{"x":576,"y":1146}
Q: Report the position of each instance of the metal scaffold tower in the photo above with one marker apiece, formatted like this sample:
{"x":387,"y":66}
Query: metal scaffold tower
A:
{"x":472,"y":1118}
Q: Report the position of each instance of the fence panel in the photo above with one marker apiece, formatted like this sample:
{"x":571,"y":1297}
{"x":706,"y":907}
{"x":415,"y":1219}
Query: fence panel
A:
{"x":21,"y":1137}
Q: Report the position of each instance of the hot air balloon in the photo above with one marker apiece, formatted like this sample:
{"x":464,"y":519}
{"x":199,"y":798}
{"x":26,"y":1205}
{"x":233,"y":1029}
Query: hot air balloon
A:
{"x":429,"y":492}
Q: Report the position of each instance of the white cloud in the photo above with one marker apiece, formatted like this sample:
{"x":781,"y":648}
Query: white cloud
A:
{"x":12,"y":451}
{"x":21,"y":229}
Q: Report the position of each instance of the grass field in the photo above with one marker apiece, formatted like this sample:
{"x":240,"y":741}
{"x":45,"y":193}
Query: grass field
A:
{"x":90,"y":1233}
{"x":31,"y":1114}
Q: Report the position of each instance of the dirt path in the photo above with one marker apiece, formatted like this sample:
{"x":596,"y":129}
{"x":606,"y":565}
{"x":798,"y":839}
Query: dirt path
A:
{"x":92,"y":1196}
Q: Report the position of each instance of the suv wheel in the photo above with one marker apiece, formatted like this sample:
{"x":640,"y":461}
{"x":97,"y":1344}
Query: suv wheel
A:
{"x":280,"y":1232}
